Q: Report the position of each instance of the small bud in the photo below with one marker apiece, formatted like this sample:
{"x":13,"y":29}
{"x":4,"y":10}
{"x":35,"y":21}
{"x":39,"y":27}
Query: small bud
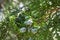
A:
{"x":34,"y":30}
{"x":21,"y":5}
{"x":28,"y":22}
{"x":50,"y":3}
{"x":23,"y":9}
{"x":23,"y":29}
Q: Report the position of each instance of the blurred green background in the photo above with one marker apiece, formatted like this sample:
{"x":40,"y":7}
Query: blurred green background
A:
{"x":30,"y":20}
